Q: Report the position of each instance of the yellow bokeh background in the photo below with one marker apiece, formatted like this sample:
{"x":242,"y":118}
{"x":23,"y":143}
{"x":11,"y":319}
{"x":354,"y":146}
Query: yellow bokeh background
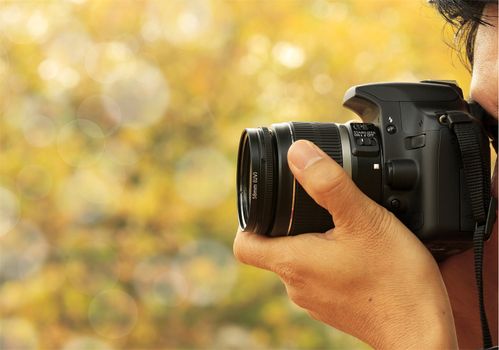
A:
{"x":119,"y":129}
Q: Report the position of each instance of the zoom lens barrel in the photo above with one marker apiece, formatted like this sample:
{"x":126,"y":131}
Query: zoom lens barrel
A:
{"x":270,"y":201}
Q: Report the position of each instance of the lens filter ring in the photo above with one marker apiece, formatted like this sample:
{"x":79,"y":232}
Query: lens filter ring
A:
{"x":255,"y":180}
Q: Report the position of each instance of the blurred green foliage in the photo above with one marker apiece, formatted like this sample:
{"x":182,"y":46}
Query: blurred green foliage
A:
{"x":119,"y":129}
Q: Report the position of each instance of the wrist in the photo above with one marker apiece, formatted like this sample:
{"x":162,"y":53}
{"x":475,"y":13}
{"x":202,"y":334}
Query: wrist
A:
{"x":420,"y":317}
{"x":425,"y":327}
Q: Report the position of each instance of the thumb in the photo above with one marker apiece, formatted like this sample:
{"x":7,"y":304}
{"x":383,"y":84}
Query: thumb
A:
{"x":331,"y":187}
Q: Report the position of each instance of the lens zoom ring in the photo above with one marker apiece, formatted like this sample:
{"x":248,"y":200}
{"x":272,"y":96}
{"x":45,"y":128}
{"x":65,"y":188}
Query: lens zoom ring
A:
{"x":324,"y":135}
{"x":308,"y":216}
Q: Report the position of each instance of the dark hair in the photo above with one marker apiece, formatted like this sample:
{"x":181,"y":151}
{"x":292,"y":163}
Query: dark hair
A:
{"x":465,"y":16}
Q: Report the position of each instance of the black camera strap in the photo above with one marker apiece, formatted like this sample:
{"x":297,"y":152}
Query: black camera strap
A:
{"x":476,"y":165}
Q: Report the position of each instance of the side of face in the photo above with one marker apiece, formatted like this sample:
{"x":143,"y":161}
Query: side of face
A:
{"x":484,"y":76}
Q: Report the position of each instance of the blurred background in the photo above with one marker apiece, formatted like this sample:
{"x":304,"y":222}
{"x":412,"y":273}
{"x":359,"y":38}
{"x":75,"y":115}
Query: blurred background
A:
{"x":119,"y":128}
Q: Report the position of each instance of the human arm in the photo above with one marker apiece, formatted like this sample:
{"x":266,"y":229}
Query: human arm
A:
{"x":369,"y":276}
{"x":459,"y":277}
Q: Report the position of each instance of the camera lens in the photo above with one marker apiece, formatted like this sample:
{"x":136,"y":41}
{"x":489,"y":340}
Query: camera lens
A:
{"x":255,"y":180}
{"x":270,"y":201}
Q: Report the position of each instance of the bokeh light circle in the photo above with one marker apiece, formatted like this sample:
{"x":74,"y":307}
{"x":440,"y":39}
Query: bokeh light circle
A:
{"x":23,"y":23}
{"x":324,"y":9}
{"x":258,"y":51}
{"x":203,"y":177}
{"x":24,"y":251}
{"x":151,"y":30}
{"x":58,"y":75}
{"x":250,"y":64}
{"x":34,"y":181}
{"x":48,"y":69}
{"x":9,"y":211}
{"x":234,"y":337}
{"x":209,"y":270}
{"x":113,"y":313}
{"x":121,"y":153}
{"x":366,"y":61}
{"x":323,"y":84}
{"x":80,"y":142}
{"x":65,"y":53}
{"x":91,"y":262}
{"x":259,"y":44}
{"x":180,"y":21}
{"x":101,"y":110}
{"x":70,"y":47}
{"x":89,"y":195}
{"x":86,"y":343}
{"x":140,"y":91}
{"x":38,"y":130}
{"x":158,"y":282}
{"x":289,"y":55}
{"x":102,"y":59}
{"x":4,"y":76}
{"x":17,"y":334}
{"x":37,"y":115}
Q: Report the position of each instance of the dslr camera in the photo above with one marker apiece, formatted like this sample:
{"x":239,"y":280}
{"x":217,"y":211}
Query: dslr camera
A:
{"x":404,"y":155}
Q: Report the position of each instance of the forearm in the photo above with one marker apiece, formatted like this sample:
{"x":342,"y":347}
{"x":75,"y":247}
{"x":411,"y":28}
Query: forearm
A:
{"x":429,"y":325}
{"x":459,"y":276}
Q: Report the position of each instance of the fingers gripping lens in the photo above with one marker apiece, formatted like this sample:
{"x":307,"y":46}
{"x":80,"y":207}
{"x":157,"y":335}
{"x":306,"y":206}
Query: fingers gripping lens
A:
{"x":270,"y":201}
{"x":308,"y":216}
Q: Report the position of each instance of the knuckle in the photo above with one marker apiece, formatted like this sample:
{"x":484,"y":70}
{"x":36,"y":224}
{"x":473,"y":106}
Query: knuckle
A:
{"x":329,"y":185}
{"x":381,"y":219}
{"x":248,"y":251}
{"x":240,"y":251}
{"x":330,"y":182}
{"x":236,"y":249}
{"x":377,"y":222}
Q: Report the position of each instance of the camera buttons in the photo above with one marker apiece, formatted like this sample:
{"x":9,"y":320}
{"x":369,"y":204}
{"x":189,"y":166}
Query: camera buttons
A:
{"x":391,"y":129}
{"x":414,"y":142}
{"x":395,"y":204}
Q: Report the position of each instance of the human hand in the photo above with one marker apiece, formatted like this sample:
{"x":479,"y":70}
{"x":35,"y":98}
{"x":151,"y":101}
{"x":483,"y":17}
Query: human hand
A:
{"x":369,"y":276}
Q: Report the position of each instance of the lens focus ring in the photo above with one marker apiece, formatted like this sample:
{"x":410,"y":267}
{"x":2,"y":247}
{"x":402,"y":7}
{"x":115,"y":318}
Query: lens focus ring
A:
{"x":268,"y":192}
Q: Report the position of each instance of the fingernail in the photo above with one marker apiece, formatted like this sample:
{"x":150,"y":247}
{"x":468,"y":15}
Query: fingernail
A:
{"x":303,"y":154}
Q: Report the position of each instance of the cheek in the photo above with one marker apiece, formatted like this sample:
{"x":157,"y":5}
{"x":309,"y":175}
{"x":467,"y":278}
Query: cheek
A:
{"x":484,"y":87}
{"x":484,"y":79}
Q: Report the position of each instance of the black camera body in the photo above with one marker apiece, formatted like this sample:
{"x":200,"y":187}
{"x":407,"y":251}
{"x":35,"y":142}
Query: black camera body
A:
{"x":423,"y":182}
{"x":403,"y":155}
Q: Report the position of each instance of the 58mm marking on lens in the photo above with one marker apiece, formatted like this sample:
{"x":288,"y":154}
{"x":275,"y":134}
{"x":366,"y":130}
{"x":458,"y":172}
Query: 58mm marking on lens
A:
{"x":254,"y":187}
